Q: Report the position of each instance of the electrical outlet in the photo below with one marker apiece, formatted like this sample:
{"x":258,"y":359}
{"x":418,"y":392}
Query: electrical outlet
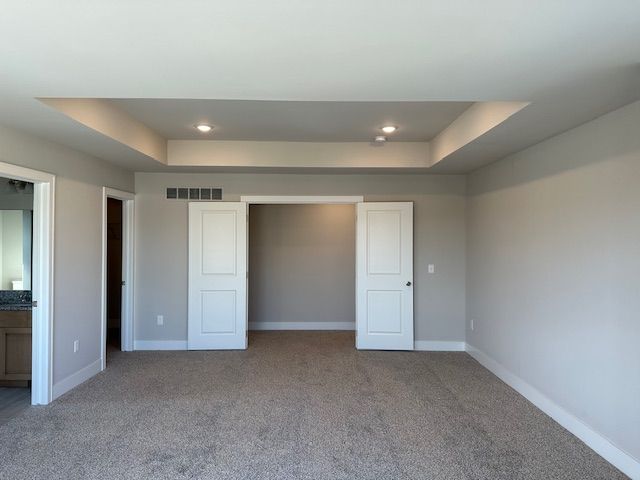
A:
{"x":76,"y":346}
{"x":472,"y":324}
{"x":160,"y":319}
{"x":432,"y":268}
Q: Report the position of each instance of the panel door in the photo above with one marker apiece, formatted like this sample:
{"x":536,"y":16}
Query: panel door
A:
{"x":384,"y":276}
{"x":217,"y":317}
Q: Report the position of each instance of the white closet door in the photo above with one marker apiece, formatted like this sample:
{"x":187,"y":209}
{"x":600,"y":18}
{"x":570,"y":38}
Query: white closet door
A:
{"x":217,"y":317}
{"x":384,"y":276}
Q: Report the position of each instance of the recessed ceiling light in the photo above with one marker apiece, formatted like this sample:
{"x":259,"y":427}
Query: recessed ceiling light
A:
{"x":389,"y":129}
{"x":204,"y":128}
{"x":380,"y":138}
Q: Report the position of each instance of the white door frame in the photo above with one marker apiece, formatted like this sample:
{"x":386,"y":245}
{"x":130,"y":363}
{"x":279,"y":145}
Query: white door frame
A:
{"x":300,"y":199}
{"x":42,"y":278}
{"x":128,"y":236}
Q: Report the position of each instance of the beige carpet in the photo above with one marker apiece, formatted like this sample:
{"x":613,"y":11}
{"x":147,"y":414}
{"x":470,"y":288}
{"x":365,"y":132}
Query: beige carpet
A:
{"x":294,"y":405}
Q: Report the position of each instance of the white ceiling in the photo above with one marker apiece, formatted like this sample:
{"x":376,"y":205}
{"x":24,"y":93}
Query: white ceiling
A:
{"x":574,"y":60}
{"x":292,"y":120}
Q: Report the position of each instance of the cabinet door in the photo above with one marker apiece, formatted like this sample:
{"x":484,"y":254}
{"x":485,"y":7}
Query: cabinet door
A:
{"x":15,"y":353}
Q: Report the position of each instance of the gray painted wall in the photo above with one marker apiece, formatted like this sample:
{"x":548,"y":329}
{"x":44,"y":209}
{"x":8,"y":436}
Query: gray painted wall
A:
{"x":161,"y":240}
{"x":553,"y":248}
{"x":78,"y":240}
{"x":302,"y":261}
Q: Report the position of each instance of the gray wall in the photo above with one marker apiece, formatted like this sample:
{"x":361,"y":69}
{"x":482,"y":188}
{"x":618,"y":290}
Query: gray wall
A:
{"x":553,"y":248}
{"x":302,"y":261}
{"x":78,"y":240}
{"x":439,"y":232}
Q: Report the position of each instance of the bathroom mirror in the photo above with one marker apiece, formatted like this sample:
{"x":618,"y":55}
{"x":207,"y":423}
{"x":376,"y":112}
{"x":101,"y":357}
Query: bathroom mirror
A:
{"x":15,"y":249}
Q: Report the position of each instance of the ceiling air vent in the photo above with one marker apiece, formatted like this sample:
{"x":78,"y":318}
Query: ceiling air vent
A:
{"x":193,"y":193}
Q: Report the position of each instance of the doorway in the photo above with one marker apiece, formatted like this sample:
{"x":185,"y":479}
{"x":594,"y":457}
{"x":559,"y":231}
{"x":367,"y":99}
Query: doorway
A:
{"x":34,"y":267}
{"x":114,"y":274}
{"x":302,"y":267}
{"x":117,"y":271}
{"x":16,"y":240}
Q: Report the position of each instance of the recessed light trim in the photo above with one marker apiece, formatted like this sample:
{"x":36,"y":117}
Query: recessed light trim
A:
{"x":389,"y":128}
{"x":380,"y":139}
{"x":204,"y":128}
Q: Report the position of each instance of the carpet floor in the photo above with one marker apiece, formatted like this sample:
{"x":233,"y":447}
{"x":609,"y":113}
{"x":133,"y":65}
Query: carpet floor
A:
{"x":295,"y":405}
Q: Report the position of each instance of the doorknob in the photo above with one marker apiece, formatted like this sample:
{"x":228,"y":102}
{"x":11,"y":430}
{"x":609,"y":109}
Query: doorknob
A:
{"x":408,"y":284}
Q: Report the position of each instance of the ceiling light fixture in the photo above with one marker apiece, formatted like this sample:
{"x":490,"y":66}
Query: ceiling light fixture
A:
{"x":204,"y":128}
{"x":389,"y":129}
{"x":380,"y":139}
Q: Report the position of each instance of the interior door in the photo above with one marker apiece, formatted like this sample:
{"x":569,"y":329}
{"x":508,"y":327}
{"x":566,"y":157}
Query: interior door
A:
{"x":217,"y":317}
{"x":384,"y":276}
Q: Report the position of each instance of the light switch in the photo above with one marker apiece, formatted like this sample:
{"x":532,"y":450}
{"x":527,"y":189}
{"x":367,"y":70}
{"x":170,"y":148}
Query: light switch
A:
{"x":160,"y":319}
{"x":432,"y":268}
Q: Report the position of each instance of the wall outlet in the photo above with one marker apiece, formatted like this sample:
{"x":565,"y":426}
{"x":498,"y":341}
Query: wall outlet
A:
{"x":160,"y":319}
{"x":431,"y":268}
{"x":76,"y":346}
{"x":472,"y":324}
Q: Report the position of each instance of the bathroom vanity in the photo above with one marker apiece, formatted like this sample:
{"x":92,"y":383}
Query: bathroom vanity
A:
{"x":15,"y":343}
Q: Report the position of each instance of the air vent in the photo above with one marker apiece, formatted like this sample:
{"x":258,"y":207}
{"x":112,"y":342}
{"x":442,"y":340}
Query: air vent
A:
{"x":193,"y":193}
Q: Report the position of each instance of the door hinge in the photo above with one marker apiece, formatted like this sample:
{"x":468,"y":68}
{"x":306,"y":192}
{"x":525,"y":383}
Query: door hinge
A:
{"x":34,"y":304}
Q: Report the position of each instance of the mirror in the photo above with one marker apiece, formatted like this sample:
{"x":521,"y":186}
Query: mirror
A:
{"x":15,"y":249}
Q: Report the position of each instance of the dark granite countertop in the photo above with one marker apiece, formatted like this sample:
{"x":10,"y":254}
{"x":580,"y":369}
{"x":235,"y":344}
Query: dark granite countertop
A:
{"x":21,"y":307}
{"x":15,"y":300}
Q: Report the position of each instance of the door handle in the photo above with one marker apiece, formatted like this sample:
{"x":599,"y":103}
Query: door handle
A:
{"x":408,"y":284}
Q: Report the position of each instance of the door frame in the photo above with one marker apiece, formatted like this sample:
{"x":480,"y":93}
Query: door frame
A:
{"x":128,"y":239}
{"x":301,"y":199}
{"x":42,"y":278}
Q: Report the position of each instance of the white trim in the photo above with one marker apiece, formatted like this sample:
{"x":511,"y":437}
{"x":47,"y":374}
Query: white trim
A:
{"x":119,"y":194}
{"x":597,"y":442}
{"x":16,"y":172}
{"x":438,"y":346}
{"x":128,"y":237}
{"x":160,"y":345}
{"x":298,"y":199}
{"x":75,"y":379}
{"x":302,"y":325}
{"x":42,"y":284}
{"x":128,"y":269}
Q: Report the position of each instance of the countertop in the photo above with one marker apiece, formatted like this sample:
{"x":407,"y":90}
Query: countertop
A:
{"x":15,"y":300}
{"x":15,"y":307}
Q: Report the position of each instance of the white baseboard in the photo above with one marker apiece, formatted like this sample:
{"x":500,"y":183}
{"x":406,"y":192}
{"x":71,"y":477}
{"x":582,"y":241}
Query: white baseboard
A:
{"x":75,"y":379}
{"x":160,"y":345}
{"x":302,"y":326}
{"x":438,"y":346}
{"x":600,"y":444}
